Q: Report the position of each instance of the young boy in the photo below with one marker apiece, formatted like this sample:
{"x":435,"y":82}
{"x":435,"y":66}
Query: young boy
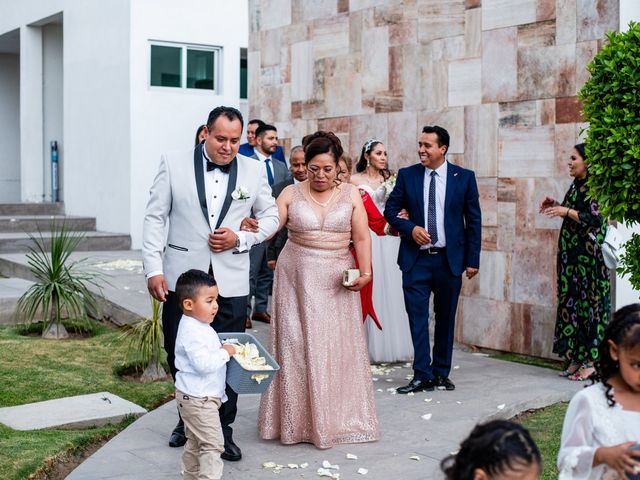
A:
{"x":201,"y":361}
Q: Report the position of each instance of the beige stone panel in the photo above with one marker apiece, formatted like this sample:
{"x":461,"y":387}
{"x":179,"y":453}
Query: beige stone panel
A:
{"x":312,"y":9}
{"x":517,"y":114}
{"x":275,"y":103}
{"x":302,"y":71}
{"x":297,"y":32}
{"x":435,"y":97}
{"x":270,"y":48}
{"x":403,"y":33}
{"x":451,"y":119}
{"x":412,"y":87}
{"x":274,"y":13}
{"x":526,"y":152}
{"x":364,"y":127}
{"x":448,"y":49}
{"x":546,"y":72}
{"x":565,"y":139}
{"x":545,"y":111}
{"x":581,"y":132}
{"x":481,"y":139}
{"x":375,"y":60}
{"x":473,"y":32}
{"x":253,"y":80}
{"x":596,"y":18}
{"x":485,"y":323}
{"x":554,"y":187}
{"x":543,"y":321}
{"x":585,"y":51}
{"x":465,"y":86}
{"x":506,"y":13}
{"x":300,"y":128}
{"x":494,"y":278}
{"x":254,"y":16}
{"x":270,"y":76}
{"x":343,"y":94}
{"x":440,"y":19}
{"x":566,"y":26}
{"x":254,"y":41}
{"x":331,"y":36}
{"x":546,"y":10}
{"x":539,"y":34}
{"x":361,"y":4}
{"x":534,"y":262}
{"x":488,"y":190}
{"x":285,"y":64}
{"x":500,"y":65}
{"x":506,"y":227}
{"x":402,"y":139}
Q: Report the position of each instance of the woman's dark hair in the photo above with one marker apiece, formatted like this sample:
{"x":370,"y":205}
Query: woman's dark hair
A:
{"x":580,"y":148}
{"x":624,"y":331}
{"x":322,"y":142}
{"x":495,"y":447}
{"x":200,"y":128}
{"x":361,"y":166}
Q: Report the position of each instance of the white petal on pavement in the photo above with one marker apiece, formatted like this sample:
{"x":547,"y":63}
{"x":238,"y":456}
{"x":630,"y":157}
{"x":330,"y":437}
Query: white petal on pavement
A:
{"x":351,"y":456}
{"x":269,"y":465}
{"x":414,"y":457}
{"x":501,"y":406}
{"x":427,"y":416}
{"x":428,"y":399}
{"x":363,"y":471}
{"x":327,"y":464}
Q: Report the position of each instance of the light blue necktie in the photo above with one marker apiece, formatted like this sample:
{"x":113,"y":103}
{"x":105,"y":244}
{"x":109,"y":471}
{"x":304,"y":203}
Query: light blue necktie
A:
{"x":431,"y":210}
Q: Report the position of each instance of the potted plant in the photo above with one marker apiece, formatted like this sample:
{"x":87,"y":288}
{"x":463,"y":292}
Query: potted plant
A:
{"x":60,"y":284}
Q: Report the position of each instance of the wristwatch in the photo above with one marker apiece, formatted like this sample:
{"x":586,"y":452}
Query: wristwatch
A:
{"x":237,"y":242}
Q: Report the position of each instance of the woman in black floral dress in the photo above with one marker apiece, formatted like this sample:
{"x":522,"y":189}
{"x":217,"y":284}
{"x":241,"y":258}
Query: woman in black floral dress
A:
{"x":583,"y":279}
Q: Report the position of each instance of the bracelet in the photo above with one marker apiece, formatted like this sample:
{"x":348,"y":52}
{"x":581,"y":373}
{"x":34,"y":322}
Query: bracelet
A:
{"x":567,"y":214}
{"x":365,"y":274}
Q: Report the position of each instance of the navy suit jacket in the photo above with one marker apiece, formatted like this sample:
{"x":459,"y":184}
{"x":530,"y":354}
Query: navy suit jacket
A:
{"x":247,"y":150}
{"x":462,"y":217}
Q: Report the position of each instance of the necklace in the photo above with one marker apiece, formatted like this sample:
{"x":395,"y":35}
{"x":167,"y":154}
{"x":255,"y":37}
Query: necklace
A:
{"x":322,"y":204}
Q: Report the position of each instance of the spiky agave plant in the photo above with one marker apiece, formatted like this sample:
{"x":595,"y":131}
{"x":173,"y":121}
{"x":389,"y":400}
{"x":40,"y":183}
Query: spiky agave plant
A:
{"x":144,"y":343}
{"x":60,"y":285}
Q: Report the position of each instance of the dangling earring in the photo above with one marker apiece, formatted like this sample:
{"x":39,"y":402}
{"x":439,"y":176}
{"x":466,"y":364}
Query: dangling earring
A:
{"x":368,"y":163}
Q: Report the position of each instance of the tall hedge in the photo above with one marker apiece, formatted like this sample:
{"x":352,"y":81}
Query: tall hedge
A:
{"x":611,"y":106}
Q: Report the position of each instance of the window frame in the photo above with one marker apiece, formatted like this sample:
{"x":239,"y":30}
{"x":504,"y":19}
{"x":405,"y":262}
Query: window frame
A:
{"x":184,"y":47}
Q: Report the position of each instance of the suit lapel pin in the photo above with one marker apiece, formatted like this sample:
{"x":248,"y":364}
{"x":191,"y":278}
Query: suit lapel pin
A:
{"x":455,"y":174}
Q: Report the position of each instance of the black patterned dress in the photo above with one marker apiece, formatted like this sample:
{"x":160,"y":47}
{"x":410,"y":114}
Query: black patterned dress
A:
{"x":584,"y":302}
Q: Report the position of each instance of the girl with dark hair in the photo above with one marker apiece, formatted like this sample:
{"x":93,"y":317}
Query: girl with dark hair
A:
{"x":323,"y":393}
{"x":496,"y":450}
{"x":602,"y":423}
{"x":389,"y":338}
{"x":583,"y":279}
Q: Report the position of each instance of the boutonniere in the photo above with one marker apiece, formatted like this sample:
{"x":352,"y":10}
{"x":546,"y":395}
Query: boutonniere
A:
{"x":240,"y":193}
{"x":389,"y":184}
{"x":455,"y":174}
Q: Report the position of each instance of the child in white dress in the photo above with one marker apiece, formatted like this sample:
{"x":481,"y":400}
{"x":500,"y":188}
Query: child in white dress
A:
{"x":603,"y":420}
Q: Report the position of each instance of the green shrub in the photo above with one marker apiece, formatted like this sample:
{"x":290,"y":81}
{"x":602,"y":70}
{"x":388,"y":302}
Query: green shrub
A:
{"x":611,"y":106}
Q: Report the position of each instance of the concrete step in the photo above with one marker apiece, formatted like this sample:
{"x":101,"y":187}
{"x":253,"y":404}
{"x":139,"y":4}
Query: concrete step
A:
{"x":11,"y":242}
{"x":34,"y":223}
{"x":11,"y":289}
{"x":32,"y":208}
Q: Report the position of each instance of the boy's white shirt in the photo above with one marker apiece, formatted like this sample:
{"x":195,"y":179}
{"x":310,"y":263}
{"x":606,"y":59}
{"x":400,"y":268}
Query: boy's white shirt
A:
{"x":200,"y":360}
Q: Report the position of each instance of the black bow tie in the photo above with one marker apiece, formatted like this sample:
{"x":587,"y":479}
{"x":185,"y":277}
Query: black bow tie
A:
{"x":223,"y":168}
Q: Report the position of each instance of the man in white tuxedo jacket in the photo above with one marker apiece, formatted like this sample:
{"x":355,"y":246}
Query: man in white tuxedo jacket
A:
{"x":201,"y":197}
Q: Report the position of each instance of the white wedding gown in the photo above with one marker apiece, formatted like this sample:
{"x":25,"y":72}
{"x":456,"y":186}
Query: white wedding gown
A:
{"x":393,"y":343}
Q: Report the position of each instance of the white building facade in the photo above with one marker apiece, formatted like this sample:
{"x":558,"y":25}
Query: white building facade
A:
{"x":115,"y":84}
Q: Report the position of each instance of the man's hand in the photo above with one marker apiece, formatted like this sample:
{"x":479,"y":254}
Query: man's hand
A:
{"x":249,"y":225}
{"x":471,"y":272}
{"x":231,"y":350}
{"x":420,"y":235}
{"x":157,"y":287}
{"x":271,"y":264}
{"x":222,"y":239}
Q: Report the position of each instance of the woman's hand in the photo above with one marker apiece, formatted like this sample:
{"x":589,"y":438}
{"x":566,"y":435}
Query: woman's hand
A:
{"x":548,"y":202}
{"x":359,"y":283}
{"x":249,"y":225}
{"x":557,"y":211}
{"x":403,"y":214}
{"x":618,"y":457}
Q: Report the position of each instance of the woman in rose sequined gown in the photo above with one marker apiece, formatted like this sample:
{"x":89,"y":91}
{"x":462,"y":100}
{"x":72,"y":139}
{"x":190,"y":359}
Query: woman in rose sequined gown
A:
{"x":323,"y":393}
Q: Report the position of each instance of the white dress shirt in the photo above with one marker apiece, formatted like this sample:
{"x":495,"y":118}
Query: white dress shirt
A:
{"x":441,"y":189}
{"x":200,"y":360}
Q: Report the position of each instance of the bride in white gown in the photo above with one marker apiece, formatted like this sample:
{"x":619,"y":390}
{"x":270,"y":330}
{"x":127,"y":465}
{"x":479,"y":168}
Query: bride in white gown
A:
{"x":393,"y":343}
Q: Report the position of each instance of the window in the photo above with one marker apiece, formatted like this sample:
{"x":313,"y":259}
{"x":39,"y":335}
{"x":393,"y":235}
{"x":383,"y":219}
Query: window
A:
{"x":184,"y":66}
{"x":243,"y":73}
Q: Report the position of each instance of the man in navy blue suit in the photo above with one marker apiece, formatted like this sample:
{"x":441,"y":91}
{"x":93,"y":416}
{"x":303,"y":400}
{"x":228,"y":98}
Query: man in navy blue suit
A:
{"x":439,"y":242}
{"x":248,"y":149}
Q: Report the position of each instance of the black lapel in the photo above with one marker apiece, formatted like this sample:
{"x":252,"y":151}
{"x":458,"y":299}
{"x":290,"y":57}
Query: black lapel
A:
{"x":233,"y":177}
{"x":199,"y":170}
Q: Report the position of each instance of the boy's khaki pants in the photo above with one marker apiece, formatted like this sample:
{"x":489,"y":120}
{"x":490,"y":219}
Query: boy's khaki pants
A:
{"x":201,"y":457}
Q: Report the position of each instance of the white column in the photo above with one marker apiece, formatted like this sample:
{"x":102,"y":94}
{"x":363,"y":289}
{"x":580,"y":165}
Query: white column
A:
{"x":625,"y":294}
{"x":31,"y":150}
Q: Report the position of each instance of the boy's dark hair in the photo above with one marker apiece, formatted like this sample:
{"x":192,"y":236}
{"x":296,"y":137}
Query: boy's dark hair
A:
{"x":265,"y":128}
{"x":495,"y":447}
{"x":229,"y":112}
{"x":190,"y":282}
{"x":624,"y":331}
{"x":441,"y":133}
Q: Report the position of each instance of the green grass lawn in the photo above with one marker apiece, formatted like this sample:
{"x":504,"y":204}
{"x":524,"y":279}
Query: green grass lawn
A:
{"x":33,"y":369}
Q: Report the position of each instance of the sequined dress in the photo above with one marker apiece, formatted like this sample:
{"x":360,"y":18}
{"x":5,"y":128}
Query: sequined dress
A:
{"x":323,"y":393}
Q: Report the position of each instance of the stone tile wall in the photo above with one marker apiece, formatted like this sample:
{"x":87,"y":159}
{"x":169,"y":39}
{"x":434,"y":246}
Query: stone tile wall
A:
{"x":500,"y":75}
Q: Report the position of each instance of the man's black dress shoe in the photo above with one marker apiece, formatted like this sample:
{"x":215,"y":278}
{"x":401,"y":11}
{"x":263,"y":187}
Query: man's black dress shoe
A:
{"x":232,"y":452}
{"x":445,"y":382}
{"x":417,"y":386}
{"x":178,"y":438}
